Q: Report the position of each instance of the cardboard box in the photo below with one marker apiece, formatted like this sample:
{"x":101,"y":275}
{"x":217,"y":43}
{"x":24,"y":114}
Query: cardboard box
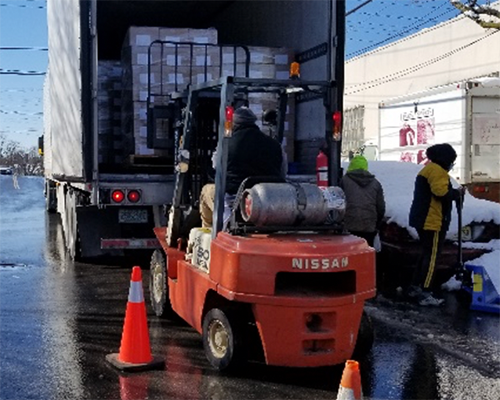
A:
{"x":141,"y":36}
{"x":188,"y":35}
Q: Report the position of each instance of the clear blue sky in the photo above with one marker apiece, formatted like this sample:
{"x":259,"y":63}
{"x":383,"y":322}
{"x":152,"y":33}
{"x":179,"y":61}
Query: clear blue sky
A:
{"x":23,"y":23}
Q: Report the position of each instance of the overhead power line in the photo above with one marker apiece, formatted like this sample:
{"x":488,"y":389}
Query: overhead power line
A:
{"x":410,"y":70}
{"x":41,"y":7}
{"x":21,"y":113}
{"x":24,"y":48}
{"x":423,"y":32}
{"x":358,"y":7}
{"x":405,"y":31}
{"x":18,"y":72}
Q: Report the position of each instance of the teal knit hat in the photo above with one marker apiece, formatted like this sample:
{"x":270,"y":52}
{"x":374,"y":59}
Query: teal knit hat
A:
{"x":358,"y":162}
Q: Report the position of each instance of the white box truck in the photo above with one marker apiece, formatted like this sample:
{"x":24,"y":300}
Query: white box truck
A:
{"x":109,"y":143}
{"x":465,"y":115}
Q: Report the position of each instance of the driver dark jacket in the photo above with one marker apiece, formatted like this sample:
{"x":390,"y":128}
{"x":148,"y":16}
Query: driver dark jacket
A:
{"x":251,"y":153}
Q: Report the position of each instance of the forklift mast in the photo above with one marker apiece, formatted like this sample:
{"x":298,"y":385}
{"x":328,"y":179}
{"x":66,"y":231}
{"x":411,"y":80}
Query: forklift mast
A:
{"x":336,"y":98}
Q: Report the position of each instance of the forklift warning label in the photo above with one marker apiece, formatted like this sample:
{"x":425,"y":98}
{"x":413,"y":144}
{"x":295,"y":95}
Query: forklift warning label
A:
{"x":320,"y":263}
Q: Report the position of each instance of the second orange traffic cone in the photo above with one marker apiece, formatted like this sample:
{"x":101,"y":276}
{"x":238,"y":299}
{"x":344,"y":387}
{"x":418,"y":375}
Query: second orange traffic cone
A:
{"x":350,"y":385}
{"x":135,"y":350}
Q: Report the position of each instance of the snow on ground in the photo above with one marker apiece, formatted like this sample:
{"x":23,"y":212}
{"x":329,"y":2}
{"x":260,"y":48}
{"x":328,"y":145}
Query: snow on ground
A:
{"x":398,"y":178}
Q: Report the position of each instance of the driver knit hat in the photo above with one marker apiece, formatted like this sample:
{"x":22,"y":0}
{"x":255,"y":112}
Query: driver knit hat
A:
{"x":244,"y":116}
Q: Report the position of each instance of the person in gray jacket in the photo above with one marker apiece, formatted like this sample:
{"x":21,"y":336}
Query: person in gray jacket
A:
{"x":365,"y":203}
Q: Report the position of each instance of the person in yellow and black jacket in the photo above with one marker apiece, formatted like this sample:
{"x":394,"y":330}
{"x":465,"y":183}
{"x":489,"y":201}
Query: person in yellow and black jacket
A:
{"x":430,"y":215}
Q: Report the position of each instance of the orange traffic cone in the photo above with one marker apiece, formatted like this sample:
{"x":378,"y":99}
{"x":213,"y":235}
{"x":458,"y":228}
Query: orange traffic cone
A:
{"x":135,"y":350}
{"x":350,"y":385}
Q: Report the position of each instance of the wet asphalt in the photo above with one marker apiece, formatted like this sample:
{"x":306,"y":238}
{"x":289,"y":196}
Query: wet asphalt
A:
{"x":59,"y":320}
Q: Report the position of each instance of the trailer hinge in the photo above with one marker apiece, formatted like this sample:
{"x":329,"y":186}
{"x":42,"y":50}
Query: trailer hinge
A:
{"x":312,"y":53}
{"x":302,"y":97}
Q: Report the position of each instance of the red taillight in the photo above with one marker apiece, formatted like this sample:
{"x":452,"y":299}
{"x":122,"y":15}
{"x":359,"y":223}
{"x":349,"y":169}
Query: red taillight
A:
{"x":118,"y":196}
{"x":228,"y":124}
{"x":480,"y":189}
{"x":337,"y":125}
{"x":133,"y":196}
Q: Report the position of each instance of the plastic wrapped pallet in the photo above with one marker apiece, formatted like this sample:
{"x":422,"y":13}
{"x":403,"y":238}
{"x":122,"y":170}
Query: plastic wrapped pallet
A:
{"x":109,"y":112}
{"x":172,"y":69}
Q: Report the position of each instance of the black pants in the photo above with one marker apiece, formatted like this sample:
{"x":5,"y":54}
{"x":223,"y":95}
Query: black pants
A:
{"x":368,"y":236}
{"x":431,"y":243}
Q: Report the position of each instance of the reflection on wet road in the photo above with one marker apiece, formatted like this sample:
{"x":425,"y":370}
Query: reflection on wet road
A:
{"x":58,"y":321}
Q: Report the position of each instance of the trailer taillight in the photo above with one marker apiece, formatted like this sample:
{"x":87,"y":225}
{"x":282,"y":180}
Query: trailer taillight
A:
{"x":480,"y":189}
{"x":337,"y":126}
{"x":133,"y":196}
{"x":118,"y":196}
{"x":228,"y":124}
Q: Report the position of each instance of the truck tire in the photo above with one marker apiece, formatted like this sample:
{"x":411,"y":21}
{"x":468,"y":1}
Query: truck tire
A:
{"x":364,"y":342}
{"x":70,"y":226}
{"x":158,"y":285}
{"x":223,"y":339}
{"x":50,"y":197}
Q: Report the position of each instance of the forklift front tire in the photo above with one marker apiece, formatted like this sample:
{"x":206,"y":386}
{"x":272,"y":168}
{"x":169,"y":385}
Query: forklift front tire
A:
{"x":223,"y":339}
{"x":158,"y":285}
{"x":364,"y":343}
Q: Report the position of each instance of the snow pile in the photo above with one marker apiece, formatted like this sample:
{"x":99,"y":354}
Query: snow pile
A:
{"x":491,"y":263}
{"x":488,"y":81}
{"x":398,"y":178}
{"x":453,"y":284}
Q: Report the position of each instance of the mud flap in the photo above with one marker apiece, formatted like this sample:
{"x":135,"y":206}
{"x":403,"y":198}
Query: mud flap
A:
{"x":94,"y":224}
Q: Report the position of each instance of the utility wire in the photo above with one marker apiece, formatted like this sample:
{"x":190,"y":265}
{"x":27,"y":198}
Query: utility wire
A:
{"x":405,"y":31}
{"x":410,"y":70}
{"x":22,"y":6}
{"x":18,"y":72}
{"x":21,"y":113}
{"x":24,"y":48}
{"x":409,"y":37}
{"x":376,"y":13}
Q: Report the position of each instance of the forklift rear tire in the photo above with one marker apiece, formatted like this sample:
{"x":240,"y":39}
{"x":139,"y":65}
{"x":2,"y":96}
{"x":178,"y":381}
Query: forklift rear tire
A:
{"x":158,"y":286}
{"x":223,"y":339}
{"x":366,"y":336}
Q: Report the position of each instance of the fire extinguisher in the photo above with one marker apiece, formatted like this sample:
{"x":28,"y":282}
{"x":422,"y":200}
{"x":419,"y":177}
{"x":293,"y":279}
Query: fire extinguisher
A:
{"x":322,"y":169}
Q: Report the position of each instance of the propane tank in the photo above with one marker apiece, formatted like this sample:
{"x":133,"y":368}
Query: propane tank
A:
{"x":285,"y":204}
{"x":322,"y":169}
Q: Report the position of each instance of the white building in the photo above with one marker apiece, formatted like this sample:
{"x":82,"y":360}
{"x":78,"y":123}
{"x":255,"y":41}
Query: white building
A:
{"x":453,"y":51}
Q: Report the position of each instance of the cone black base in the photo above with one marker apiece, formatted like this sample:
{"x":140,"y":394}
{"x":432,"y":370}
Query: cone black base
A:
{"x":156,"y":363}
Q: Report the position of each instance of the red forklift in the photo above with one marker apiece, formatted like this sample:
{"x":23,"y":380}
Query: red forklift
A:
{"x":279,"y":281}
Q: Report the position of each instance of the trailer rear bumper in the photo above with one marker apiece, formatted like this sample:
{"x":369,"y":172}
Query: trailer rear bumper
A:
{"x":130,"y":244}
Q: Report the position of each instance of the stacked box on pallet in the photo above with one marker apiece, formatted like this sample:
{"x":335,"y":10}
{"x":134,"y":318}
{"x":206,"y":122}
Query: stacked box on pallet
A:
{"x":134,"y":56}
{"x":170,"y":70}
{"x":272,"y":63}
{"x":173,"y":67}
{"x":109,"y":112}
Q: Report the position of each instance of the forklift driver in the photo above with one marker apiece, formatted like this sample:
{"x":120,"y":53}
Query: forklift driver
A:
{"x":250,"y":153}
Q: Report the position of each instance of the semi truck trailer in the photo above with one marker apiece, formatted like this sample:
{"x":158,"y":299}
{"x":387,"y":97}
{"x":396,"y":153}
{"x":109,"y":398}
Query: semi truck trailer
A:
{"x":114,"y":70}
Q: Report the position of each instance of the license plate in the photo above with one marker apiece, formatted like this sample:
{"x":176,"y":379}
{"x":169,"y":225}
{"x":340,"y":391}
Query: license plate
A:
{"x":132,"y":216}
